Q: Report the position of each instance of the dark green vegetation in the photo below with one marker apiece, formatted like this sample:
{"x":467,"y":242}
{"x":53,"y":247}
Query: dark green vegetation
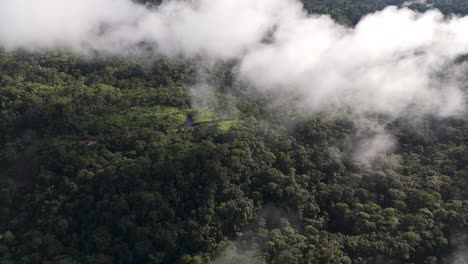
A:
{"x":103,"y":161}
{"x":351,"y":11}
{"x":348,"y":11}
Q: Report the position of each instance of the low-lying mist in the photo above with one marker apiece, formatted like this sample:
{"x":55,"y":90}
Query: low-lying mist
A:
{"x":393,"y":63}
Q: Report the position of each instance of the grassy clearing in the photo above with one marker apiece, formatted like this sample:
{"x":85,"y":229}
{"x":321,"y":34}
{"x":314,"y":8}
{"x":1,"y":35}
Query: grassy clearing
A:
{"x":225,"y":126}
{"x":208,"y":116}
{"x":155,"y":117}
{"x":204,"y":116}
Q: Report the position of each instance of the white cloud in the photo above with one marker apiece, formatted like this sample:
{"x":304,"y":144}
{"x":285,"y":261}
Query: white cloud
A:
{"x":394,"y":62}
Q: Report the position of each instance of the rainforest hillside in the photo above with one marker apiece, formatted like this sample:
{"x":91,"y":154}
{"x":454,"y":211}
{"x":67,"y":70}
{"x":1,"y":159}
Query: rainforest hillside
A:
{"x":109,"y":159}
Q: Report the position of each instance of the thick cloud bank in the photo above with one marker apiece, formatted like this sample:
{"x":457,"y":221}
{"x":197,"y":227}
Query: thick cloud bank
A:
{"x":221,"y":29}
{"x":393,"y":63}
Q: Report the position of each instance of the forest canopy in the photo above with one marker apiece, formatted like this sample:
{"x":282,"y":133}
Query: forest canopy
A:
{"x":169,"y":159}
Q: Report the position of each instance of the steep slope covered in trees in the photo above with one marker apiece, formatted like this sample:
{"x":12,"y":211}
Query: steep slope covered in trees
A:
{"x":105,"y":161}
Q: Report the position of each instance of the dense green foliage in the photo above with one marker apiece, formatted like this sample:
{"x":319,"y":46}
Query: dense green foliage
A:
{"x":105,"y":161}
{"x":349,"y":12}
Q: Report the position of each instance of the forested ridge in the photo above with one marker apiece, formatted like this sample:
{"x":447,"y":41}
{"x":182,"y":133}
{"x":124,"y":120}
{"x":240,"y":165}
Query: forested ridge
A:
{"x":106,"y":160}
